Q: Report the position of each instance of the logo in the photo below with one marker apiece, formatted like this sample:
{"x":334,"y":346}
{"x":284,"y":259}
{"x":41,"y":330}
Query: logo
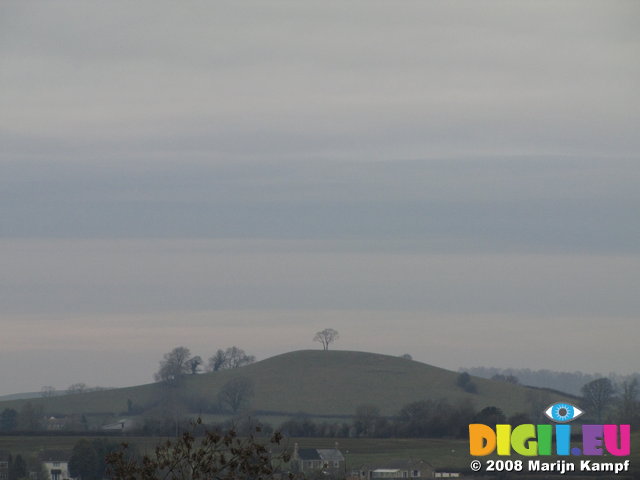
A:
{"x":531,"y":440}
{"x":563,"y":412}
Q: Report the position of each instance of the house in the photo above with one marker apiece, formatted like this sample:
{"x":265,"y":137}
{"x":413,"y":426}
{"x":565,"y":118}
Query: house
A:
{"x":314,"y":459}
{"x":56,"y":423}
{"x":402,"y":469}
{"x":4,"y":465}
{"x":56,"y":464}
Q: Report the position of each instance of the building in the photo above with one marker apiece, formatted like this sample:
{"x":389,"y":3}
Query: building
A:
{"x":56,"y":423}
{"x":56,"y":464}
{"x":4,"y":465}
{"x":400,"y":469}
{"x":315,"y":459}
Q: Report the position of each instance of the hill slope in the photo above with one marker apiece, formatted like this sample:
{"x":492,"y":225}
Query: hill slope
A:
{"x":316,"y":382}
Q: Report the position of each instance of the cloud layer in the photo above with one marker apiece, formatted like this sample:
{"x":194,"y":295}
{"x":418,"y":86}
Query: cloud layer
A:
{"x":450,"y":179}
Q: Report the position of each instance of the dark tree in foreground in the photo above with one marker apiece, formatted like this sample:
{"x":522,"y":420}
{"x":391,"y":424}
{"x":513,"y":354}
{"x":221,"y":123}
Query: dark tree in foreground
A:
{"x":326,"y":337}
{"x":18,"y":468}
{"x":87,"y":460}
{"x":84,"y":461}
{"x":597,"y":396}
{"x":219,"y":456}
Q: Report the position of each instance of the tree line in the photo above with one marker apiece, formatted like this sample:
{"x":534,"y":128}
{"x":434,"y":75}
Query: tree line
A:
{"x":423,"y":418}
{"x":179,"y":362}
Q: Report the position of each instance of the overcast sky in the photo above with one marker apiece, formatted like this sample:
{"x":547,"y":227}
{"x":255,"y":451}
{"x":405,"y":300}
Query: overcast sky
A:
{"x":454,"y":180}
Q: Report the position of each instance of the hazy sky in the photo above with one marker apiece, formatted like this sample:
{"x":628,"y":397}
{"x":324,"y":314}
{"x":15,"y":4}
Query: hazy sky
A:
{"x":454,"y":180}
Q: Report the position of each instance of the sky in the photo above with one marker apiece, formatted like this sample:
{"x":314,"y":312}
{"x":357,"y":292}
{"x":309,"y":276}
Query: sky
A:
{"x":453,"y":180}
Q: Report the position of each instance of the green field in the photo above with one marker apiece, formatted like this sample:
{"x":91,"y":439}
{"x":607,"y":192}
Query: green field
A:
{"x":331,"y":383}
{"x":441,"y":454}
{"x":358,"y":452}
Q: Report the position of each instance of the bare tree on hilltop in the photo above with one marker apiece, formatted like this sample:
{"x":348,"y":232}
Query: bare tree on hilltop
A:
{"x":48,"y":391}
{"x":326,"y":337}
{"x":194,"y":364}
{"x":173,"y":366}
{"x":232,"y":357}
{"x":77,"y":388}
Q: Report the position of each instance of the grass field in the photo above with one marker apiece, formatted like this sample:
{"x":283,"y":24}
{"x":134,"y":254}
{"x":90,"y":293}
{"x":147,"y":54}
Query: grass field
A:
{"x":442,"y":454}
{"x":358,"y":452}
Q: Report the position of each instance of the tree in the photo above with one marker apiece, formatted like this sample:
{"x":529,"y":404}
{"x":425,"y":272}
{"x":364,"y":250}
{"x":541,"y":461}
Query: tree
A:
{"x":413,"y":418}
{"x":8,"y":420}
{"x":490,"y":416}
{"x":173,"y":366}
{"x":519,"y":419}
{"x":367,"y":420}
{"x":232,"y":357}
{"x":18,"y":468}
{"x":236,"y":393}
{"x":406,"y":356}
{"x":326,"y":337}
{"x":77,"y":388}
{"x":194,"y":364}
{"x":104,"y":448}
{"x":30,"y":417}
{"x":219,"y":456}
{"x":629,"y":407}
{"x":84,"y":461}
{"x":597,"y":396}
{"x":48,"y":391}
{"x":465,"y":383}
{"x":236,"y":357}
{"x":87,"y":459}
{"x":429,"y":418}
{"x":217,"y":361}
{"x":499,"y":377}
{"x":538,"y":401}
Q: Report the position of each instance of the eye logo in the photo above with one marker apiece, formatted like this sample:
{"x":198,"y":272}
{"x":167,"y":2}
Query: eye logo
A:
{"x":563,"y":412}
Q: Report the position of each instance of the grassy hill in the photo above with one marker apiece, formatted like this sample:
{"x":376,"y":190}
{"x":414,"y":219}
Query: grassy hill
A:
{"x":331,"y":383}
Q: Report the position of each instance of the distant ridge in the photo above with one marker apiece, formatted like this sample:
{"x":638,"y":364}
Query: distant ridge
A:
{"x":20,"y":396}
{"x":570,"y":382}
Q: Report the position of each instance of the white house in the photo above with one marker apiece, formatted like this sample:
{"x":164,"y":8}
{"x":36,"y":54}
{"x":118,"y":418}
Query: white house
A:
{"x":56,"y":463}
